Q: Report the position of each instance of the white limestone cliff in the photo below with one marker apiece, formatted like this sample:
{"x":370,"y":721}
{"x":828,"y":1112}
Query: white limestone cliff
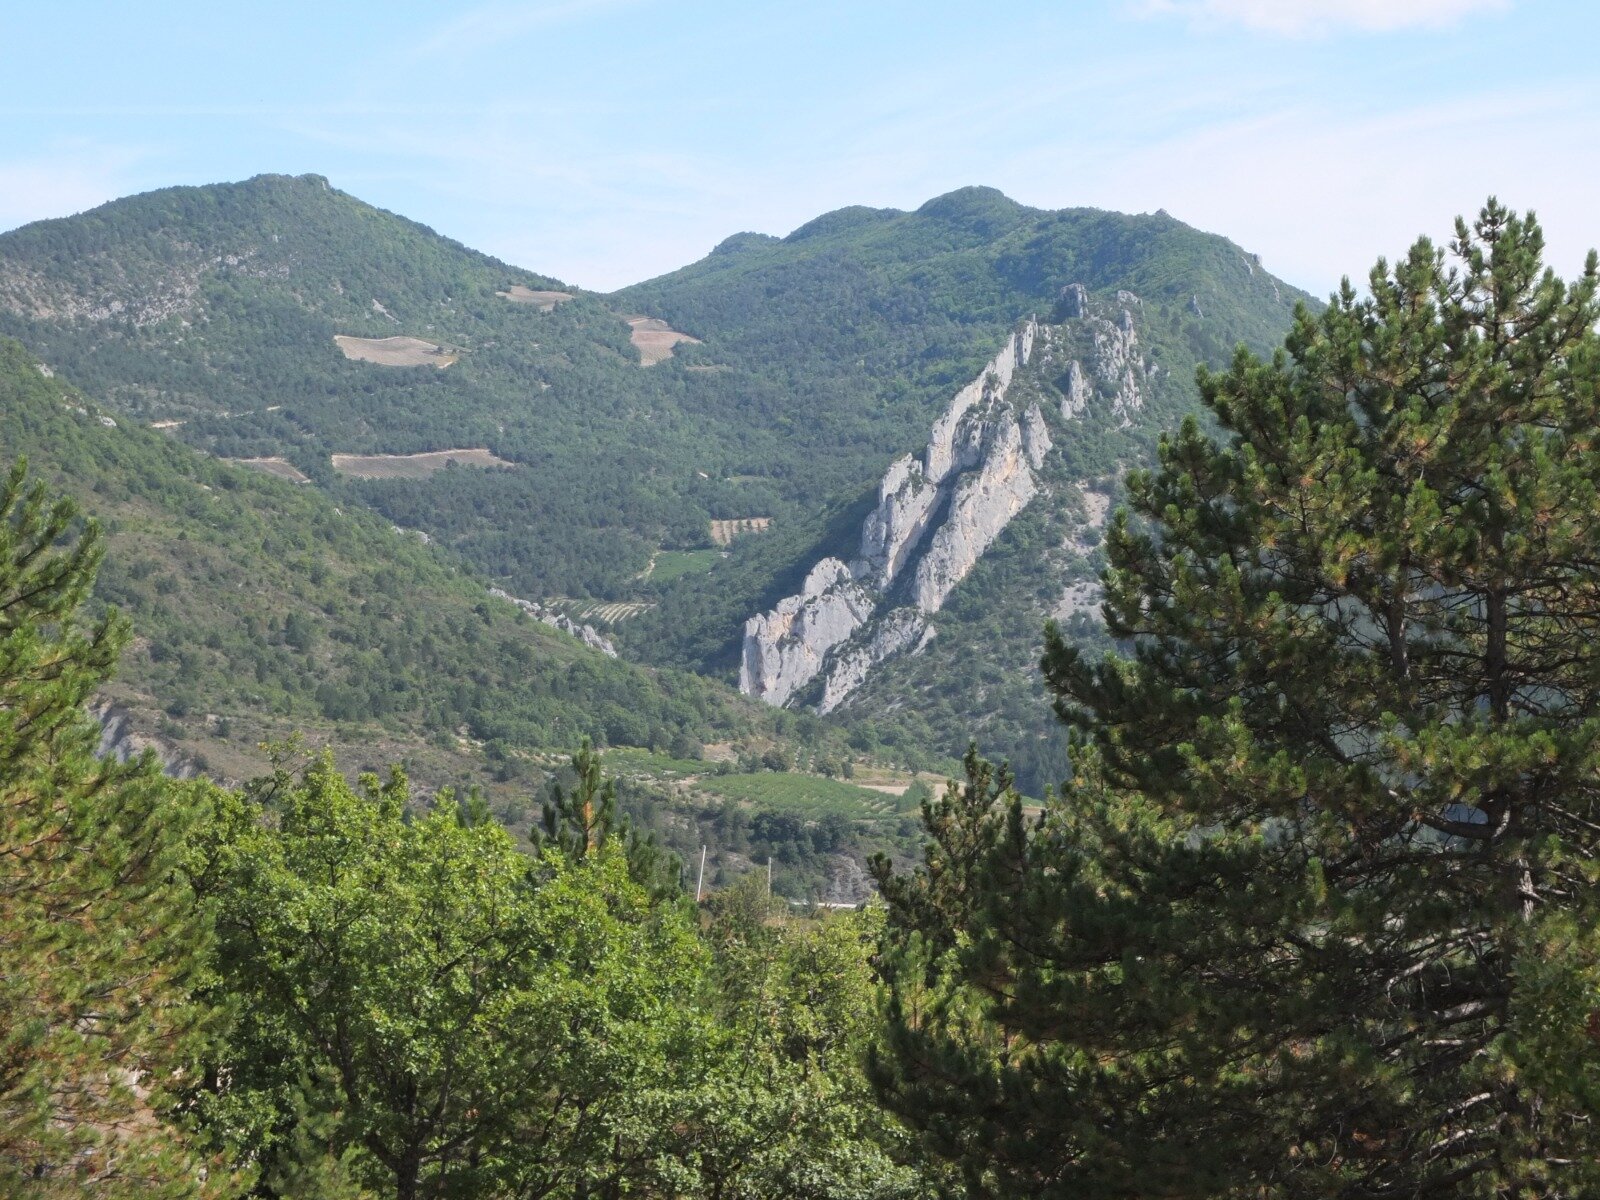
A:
{"x":983,"y":503}
{"x":975,"y":474}
{"x":899,"y":631}
{"x":1075,"y":392}
{"x":784,"y":649}
{"x":937,"y":514}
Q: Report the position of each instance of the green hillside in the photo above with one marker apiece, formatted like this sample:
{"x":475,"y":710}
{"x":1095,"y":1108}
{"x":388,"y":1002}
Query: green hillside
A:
{"x":261,"y":607}
{"x":822,"y":356}
{"x":863,"y":323}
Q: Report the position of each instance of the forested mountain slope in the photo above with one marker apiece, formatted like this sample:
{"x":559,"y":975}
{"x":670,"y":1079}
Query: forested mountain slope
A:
{"x":260,"y":607}
{"x":692,"y":484}
{"x":881,"y":311}
{"x":215,"y":311}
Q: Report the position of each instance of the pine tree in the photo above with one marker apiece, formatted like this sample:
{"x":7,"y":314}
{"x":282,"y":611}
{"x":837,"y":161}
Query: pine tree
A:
{"x":1316,"y":916}
{"x":579,"y":822}
{"x":97,"y":941}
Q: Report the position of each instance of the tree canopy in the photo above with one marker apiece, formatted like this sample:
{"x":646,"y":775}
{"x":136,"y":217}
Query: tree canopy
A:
{"x":99,"y":942}
{"x":1315,"y":916}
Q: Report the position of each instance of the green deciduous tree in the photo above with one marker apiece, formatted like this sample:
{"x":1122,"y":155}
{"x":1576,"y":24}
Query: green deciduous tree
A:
{"x":1316,"y":916}
{"x":457,"y":1018}
{"x":778,"y":1103}
{"x":97,"y":941}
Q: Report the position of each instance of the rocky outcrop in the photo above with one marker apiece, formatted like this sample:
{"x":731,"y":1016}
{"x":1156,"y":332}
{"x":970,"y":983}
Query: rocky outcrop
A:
{"x":784,"y":649}
{"x":983,"y":503}
{"x":118,"y":740}
{"x":1116,"y":349}
{"x":902,"y":630}
{"x":940,"y":511}
{"x":1036,"y":441}
{"x":937,"y":514}
{"x":587,"y":634}
{"x":1075,"y":392}
{"x":1113,"y":357}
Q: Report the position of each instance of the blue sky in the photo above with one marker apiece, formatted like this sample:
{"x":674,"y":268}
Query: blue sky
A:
{"x":606,"y":141}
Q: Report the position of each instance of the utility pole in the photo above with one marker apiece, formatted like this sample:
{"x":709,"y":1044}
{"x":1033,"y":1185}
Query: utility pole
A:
{"x":769,"y":877}
{"x":700,"y":881}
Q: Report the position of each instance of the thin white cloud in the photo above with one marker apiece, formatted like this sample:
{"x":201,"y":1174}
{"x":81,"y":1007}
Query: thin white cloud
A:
{"x":1322,"y":193}
{"x":1300,"y":18}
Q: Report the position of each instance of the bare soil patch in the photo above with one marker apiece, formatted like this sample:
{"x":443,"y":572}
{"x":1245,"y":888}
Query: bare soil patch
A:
{"x":543,"y":301}
{"x":412,"y":466}
{"x":723,"y":532}
{"x":282,"y":468}
{"x":396,"y":351}
{"x":654,"y":338}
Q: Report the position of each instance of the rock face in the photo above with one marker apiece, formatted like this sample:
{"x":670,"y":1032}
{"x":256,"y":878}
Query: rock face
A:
{"x":1113,"y":358}
{"x":901,"y":630}
{"x":937,"y":514}
{"x":974,"y":476}
{"x":984,"y":501}
{"x":784,"y":649}
{"x":587,"y":634}
{"x":119,"y":741}
{"x":1075,"y":392}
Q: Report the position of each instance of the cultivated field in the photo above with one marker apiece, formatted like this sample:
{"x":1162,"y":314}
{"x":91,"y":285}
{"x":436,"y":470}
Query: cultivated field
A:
{"x":607,"y":612}
{"x":412,"y":466}
{"x":803,"y":795}
{"x":396,"y":351}
{"x":723,"y":532}
{"x":654,"y":338}
{"x":543,"y":301}
{"x":668,"y":565}
{"x":273,"y":466}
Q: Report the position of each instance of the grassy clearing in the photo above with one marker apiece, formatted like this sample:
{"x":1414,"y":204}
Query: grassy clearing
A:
{"x":673,"y":564}
{"x":804,"y":795}
{"x":272,"y":466}
{"x":631,"y":760}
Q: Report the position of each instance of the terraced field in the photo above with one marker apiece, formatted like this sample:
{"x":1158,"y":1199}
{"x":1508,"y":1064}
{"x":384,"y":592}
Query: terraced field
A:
{"x":543,"y":301}
{"x":395,"y":351}
{"x":654,"y":339}
{"x":668,"y":565}
{"x":608,"y":612}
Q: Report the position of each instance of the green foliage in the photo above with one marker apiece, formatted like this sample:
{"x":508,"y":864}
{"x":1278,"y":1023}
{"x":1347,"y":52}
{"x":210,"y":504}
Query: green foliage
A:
{"x":782,"y":1107}
{"x":98,"y":944}
{"x":582,"y":821}
{"x":1315,"y":915}
{"x":461,"y":1019}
